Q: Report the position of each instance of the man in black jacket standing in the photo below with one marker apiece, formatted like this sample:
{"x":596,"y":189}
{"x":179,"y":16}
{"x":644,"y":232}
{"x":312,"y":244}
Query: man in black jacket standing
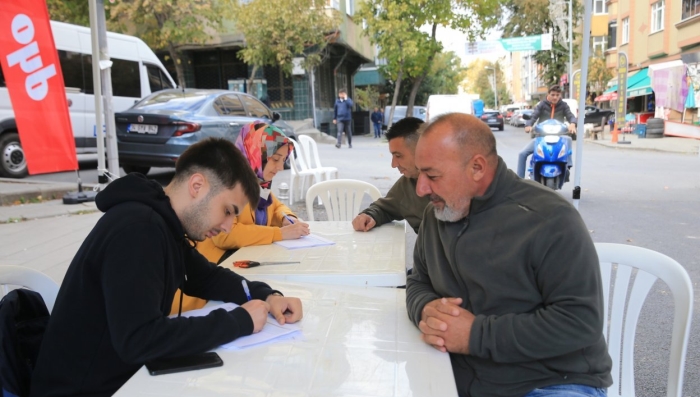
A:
{"x":551,"y":108}
{"x":111,"y":312}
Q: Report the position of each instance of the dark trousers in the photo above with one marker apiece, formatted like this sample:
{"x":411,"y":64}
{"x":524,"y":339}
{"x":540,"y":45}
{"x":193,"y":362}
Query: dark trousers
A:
{"x":344,"y":126}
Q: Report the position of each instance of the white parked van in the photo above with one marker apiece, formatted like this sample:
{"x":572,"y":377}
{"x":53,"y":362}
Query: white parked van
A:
{"x":441,"y":104}
{"x":136,"y":72}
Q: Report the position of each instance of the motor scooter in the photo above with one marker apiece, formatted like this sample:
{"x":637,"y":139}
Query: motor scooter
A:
{"x":549,"y":162}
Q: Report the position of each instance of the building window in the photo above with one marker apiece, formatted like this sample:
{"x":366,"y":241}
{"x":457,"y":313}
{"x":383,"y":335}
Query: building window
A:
{"x":350,"y":7}
{"x":599,"y":45}
{"x":600,"y":7}
{"x":612,"y":35}
{"x":625,"y":31}
{"x":657,"y":16}
{"x":334,"y":4}
{"x":690,"y":8}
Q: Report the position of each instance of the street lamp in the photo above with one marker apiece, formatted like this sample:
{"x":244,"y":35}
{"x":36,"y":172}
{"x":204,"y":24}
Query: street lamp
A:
{"x":495,"y":87}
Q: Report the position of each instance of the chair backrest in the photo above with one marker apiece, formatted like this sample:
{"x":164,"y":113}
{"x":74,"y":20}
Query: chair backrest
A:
{"x":622,"y":311}
{"x":31,"y":279}
{"x":310,"y":149}
{"x":340,"y":197}
{"x":296,"y":158}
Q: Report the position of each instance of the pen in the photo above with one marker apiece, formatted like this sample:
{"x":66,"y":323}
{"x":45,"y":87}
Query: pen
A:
{"x":246,"y":290}
{"x":289,"y":219}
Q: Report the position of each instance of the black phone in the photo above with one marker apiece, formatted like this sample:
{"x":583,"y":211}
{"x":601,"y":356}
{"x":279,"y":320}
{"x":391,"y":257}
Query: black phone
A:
{"x":185,"y":363}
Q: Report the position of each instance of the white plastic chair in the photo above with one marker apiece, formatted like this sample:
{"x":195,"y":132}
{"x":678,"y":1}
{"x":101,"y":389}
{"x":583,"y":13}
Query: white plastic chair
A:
{"x":29,"y":278}
{"x":621,"y":260}
{"x":299,"y":173}
{"x":342,"y":198}
{"x":312,"y":159}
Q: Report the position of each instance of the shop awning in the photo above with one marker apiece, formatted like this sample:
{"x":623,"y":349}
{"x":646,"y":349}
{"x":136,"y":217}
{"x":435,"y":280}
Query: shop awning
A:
{"x":639,"y":84}
{"x":606,"y":96}
{"x":365,"y":77}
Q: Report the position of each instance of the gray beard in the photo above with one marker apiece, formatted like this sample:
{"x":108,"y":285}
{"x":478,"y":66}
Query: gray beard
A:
{"x":447,"y":214}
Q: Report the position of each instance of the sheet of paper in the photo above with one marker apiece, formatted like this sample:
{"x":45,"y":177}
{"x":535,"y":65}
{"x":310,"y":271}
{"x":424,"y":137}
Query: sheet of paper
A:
{"x":309,"y":241}
{"x":271,"y":332}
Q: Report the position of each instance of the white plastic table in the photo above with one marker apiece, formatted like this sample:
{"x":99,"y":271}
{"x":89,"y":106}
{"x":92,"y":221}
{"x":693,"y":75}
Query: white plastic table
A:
{"x":355,"y":341}
{"x":375,"y":258}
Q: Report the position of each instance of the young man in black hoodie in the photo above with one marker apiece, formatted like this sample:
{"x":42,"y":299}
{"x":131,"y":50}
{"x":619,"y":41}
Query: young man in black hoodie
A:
{"x":111,"y":312}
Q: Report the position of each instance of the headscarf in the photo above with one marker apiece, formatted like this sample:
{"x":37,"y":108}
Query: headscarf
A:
{"x":258,"y":141}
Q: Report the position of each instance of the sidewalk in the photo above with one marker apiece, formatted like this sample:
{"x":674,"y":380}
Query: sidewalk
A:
{"x":669,"y":144}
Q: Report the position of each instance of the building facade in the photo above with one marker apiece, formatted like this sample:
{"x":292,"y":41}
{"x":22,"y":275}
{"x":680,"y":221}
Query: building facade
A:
{"x":661,"y":39}
{"x":297,"y":96}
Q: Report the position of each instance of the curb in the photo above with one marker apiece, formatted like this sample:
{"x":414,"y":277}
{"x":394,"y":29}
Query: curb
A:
{"x":47,"y":209}
{"x":17,"y":191}
{"x":688,"y":152}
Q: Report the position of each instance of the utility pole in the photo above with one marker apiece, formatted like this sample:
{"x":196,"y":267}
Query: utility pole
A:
{"x":571,"y":50}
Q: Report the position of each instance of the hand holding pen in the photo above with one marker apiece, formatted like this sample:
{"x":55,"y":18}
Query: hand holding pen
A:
{"x":256,"y":308}
{"x":294,"y":228}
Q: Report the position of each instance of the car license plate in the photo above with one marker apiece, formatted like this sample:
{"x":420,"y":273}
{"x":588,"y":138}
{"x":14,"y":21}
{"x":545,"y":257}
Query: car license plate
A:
{"x":492,"y":120}
{"x":143,"y":128}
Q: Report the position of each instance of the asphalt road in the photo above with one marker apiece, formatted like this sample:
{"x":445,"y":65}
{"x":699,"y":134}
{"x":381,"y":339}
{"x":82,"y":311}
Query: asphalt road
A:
{"x":648,"y":199}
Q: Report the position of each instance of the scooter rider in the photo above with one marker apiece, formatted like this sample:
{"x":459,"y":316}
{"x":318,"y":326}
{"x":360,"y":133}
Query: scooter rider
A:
{"x":551,"y":108}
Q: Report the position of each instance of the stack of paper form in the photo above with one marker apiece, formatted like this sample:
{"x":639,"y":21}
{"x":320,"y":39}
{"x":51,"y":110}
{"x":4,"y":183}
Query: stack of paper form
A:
{"x":272,"y":331}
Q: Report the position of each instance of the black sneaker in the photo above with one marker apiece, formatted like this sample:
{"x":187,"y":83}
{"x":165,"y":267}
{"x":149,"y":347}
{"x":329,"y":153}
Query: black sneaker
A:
{"x":337,"y":145}
{"x":349,"y":146}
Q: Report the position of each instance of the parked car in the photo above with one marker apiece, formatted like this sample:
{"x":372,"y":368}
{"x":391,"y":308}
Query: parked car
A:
{"x":158,"y":128}
{"x":595,"y":115}
{"x":400,"y":113}
{"x":514,"y":116}
{"x":493,"y":118}
{"x":518,"y":120}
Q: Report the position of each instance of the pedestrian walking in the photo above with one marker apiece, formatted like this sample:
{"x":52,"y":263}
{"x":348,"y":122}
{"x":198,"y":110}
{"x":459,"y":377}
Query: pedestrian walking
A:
{"x":342,"y":117}
{"x":376,"y":118}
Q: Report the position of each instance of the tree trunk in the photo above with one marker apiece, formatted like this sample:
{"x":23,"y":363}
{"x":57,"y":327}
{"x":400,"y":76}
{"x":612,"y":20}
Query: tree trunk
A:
{"x":396,"y":96}
{"x":175,"y":55}
{"x":419,"y":80}
{"x":414,"y":92}
{"x":249,"y":88}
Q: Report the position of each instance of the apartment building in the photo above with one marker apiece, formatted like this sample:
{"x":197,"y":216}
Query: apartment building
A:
{"x":661,"y":39}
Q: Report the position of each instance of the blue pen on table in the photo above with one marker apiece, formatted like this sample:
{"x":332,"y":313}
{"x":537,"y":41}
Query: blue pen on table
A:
{"x":246,"y":290}
{"x":289,"y":219}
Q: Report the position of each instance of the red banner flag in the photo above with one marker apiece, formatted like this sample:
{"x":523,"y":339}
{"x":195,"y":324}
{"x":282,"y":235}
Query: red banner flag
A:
{"x":35,"y":83}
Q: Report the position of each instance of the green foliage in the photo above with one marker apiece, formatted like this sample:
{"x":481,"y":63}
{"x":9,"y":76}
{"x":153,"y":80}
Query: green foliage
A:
{"x":531,"y":17}
{"x":598,"y":73}
{"x":367,"y":98}
{"x":446,"y":73}
{"x":167,"y":24}
{"x":70,"y":11}
{"x":481,"y":82}
{"x":277,"y":31}
{"x":393,"y":25}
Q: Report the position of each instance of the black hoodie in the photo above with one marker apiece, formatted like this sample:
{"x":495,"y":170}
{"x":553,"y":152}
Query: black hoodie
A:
{"x":111,"y":312}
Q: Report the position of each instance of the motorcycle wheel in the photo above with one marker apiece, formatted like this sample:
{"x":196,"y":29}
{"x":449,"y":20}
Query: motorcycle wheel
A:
{"x":551,"y":183}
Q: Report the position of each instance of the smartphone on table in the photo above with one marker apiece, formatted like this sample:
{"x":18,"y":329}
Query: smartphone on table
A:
{"x":185,"y":363}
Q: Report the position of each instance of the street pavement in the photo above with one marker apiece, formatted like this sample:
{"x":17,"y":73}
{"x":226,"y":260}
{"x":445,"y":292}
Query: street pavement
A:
{"x":44,"y":234}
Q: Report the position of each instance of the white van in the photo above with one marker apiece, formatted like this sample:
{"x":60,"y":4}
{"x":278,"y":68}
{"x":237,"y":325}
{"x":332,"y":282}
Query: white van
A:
{"x":441,"y":104}
{"x":136,"y":72}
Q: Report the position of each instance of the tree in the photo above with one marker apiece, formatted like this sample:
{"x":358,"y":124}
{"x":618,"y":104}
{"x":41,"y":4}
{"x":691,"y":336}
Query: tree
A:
{"x":445,"y":76}
{"x":277,"y":31}
{"x":70,"y":11}
{"x":367,"y":98}
{"x":481,"y":82}
{"x":598,"y":73}
{"x":394,"y":26}
{"x":168,"y":24}
{"x":531,"y":17}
